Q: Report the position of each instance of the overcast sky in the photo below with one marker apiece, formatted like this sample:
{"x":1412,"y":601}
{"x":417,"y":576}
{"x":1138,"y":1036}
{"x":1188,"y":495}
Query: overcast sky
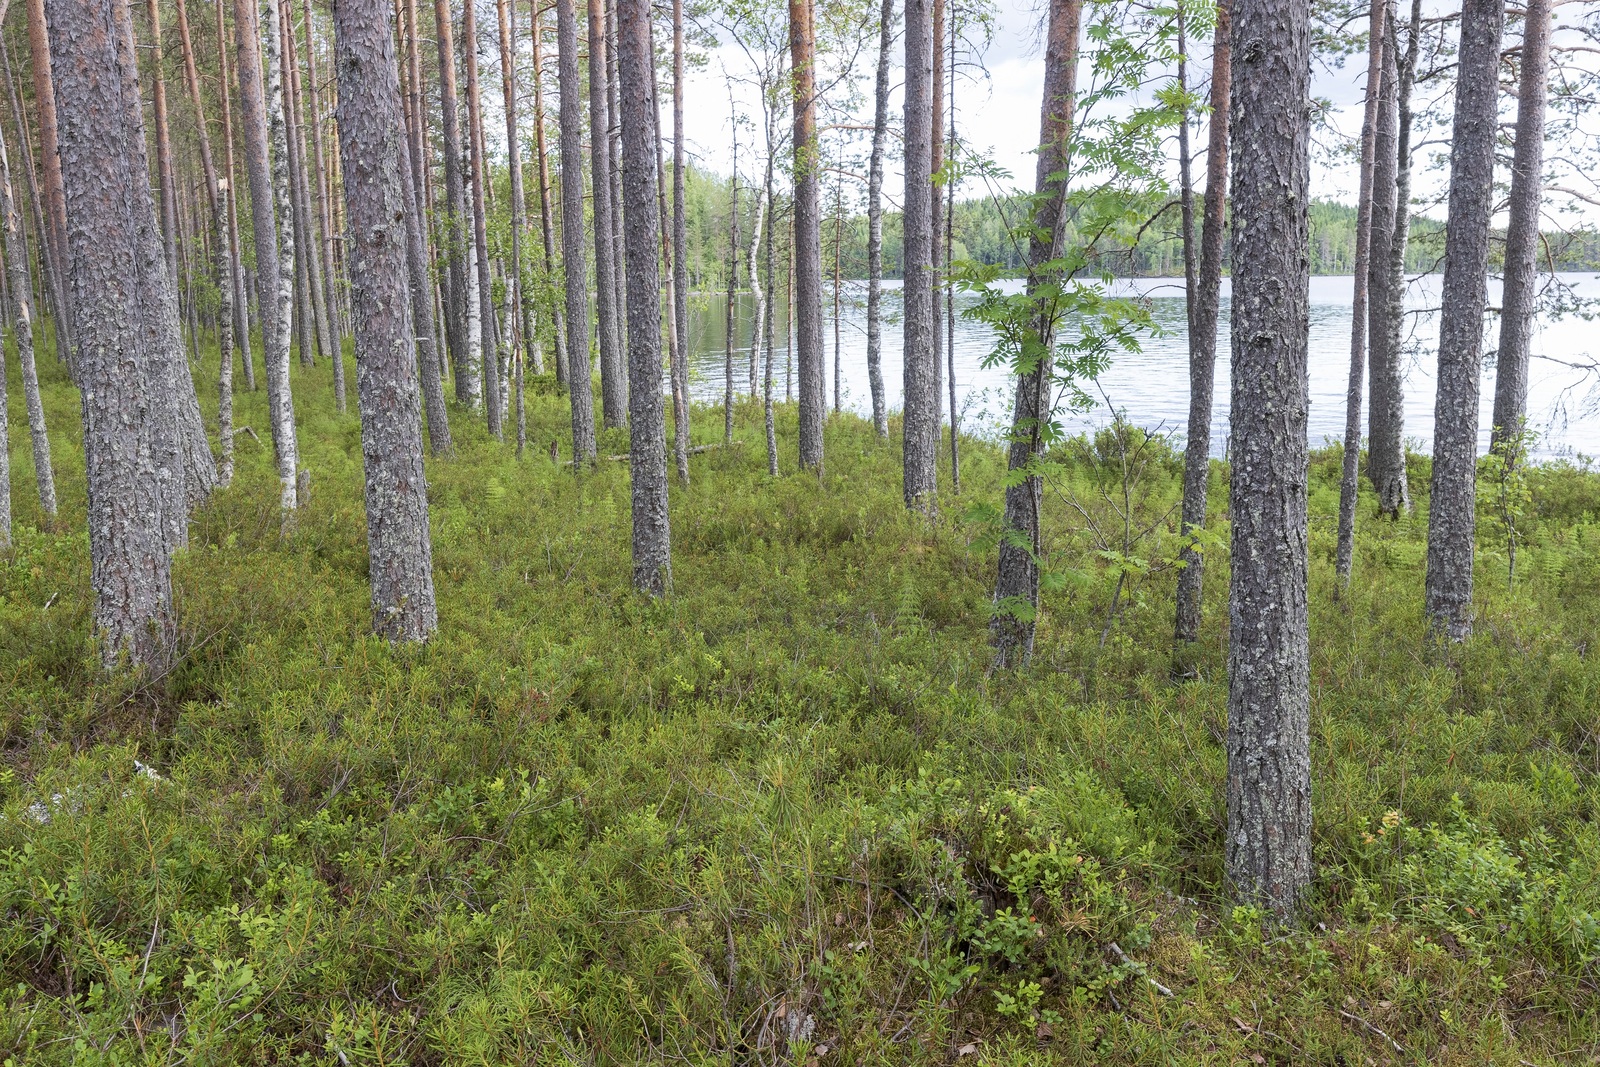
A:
{"x":998,"y":107}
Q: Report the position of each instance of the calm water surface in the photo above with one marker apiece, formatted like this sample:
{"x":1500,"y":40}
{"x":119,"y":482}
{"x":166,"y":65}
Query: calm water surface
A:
{"x":1152,"y":386}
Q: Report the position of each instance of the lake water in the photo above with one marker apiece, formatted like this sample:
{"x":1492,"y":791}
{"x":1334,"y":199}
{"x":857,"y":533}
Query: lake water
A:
{"x":1152,"y":386}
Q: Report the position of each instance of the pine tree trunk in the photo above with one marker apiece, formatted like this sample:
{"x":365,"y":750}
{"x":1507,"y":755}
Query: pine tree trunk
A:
{"x":423,"y":326}
{"x":126,"y":328}
{"x":1386,"y":459}
{"x":1463,"y":298}
{"x":613,"y":394}
{"x":22,"y":320}
{"x":1016,"y":587}
{"x":921,"y":421}
{"x":652,"y":556}
{"x":677,"y":358}
{"x":949,"y":293}
{"x":765,"y":299}
{"x":480,"y":230}
{"x":1269,"y":699}
{"x":575,"y":270}
{"x":318,"y":309}
{"x":1522,"y":232}
{"x":327,"y":296}
{"x":614,"y":140}
{"x":517,"y":292}
{"x":1350,"y":476}
{"x":808,"y":234}
{"x":371,"y":136}
{"x":680,"y":251}
{"x":880,"y":129}
{"x":469,"y":386}
{"x":304,"y":315}
{"x":164,"y":177}
{"x":1206,"y":290}
{"x":222,"y":249}
{"x":269,"y":269}
{"x":546,"y":212}
{"x":733,"y":280}
{"x":236,"y":280}
{"x":57,"y":258}
{"x":936,"y":221}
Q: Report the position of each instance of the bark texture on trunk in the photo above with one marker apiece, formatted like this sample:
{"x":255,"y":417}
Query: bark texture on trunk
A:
{"x":278,"y":134}
{"x":546,"y":211}
{"x":1452,"y":513}
{"x":1207,"y":291}
{"x":517,"y":293}
{"x":58,"y":260}
{"x":921,"y":420}
{"x":22,"y":320}
{"x":240,"y":299}
{"x":125,"y":306}
{"x":880,"y":130}
{"x":216,"y":196}
{"x":579,"y":376}
{"x":1350,"y":475}
{"x":808,"y":234}
{"x":269,"y":275}
{"x":680,"y":249}
{"x":733,"y":280}
{"x":305,"y":320}
{"x":371,"y":139}
{"x":158,"y":107}
{"x":1016,"y":587}
{"x":652,"y":555}
{"x":1386,"y":457}
{"x":480,"y":230}
{"x":613,"y":393}
{"x":1522,"y":230}
{"x":1269,"y":698}
{"x":469,"y":383}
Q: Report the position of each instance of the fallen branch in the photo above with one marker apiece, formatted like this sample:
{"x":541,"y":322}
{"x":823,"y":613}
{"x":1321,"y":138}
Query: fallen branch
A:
{"x":623,"y":457}
{"x":248,"y":430}
{"x":1116,"y":950}
{"x":1369,"y":1028}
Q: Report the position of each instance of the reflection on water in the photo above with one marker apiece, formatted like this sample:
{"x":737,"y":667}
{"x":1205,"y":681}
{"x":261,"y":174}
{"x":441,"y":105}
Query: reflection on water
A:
{"x":1152,"y":386}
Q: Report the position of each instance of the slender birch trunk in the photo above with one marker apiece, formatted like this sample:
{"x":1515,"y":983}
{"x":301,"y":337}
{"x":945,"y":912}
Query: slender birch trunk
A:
{"x":880,"y":129}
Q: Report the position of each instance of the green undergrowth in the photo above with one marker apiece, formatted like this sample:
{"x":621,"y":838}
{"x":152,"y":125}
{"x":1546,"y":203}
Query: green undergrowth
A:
{"x":783,"y":816}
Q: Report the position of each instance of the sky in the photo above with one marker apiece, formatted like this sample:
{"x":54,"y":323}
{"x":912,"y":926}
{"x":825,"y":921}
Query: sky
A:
{"x":998,"y":98}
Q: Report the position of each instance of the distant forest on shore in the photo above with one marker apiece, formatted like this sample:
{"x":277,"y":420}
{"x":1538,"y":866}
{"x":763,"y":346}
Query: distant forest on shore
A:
{"x":981,"y":231}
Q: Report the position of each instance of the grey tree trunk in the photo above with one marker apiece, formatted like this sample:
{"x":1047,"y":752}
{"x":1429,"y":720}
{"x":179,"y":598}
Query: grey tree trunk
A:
{"x":22,"y":319}
{"x":163,"y":139}
{"x":1016,"y":586}
{"x":423,"y":325}
{"x":921,"y":420}
{"x":1350,"y":476}
{"x":125,"y":305}
{"x":521,"y":299}
{"x":807,"y":235}
{"x":613,"y":393}
{"x":480,"y":231}
{"x":733,"y":277}
{"x":677,"y":358}
{"x":371,"y":139}
{"x":1269,"y":695}
{"x":1522,"y":231}
{"x":269,"y":277}
{"x":327,"y":297}
{"x":575,"y":270}
{"x":1203,"y":340}
{"x":880,"y":130}
{"x":278,"y":133}
{"x":761,"y":326}
{"x":240,"y":300}
{"x":546,"y":213}
{"x":680,"y":250}
{"x":305,"y":320}
{"x":469,"y":384}
{"x":222,"y":248}
{"x":936,"y":218}
{"x":652,"y":554}
{"x":1386,"y":458}
{"x":1452,"y":513}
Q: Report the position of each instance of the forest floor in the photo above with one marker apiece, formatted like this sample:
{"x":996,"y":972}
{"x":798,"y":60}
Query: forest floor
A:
{"x":785,"y":815}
